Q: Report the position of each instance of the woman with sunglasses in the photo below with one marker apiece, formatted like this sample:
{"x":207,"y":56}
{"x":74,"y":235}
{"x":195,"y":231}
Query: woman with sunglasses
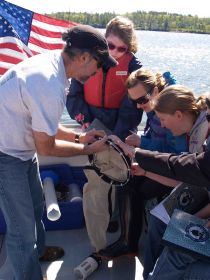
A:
{"x":104,"y":97}
{"x":182,"y":113}
{"x":143,"y":86}
{"x":193,"y":168}
{"x":179,"y":111}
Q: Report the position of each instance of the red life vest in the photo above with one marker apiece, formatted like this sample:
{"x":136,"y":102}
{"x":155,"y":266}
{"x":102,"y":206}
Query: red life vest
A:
{"x":107,"y":89}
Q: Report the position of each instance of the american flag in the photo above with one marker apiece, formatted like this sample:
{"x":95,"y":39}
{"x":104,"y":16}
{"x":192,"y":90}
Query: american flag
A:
{"x":24,"y":33}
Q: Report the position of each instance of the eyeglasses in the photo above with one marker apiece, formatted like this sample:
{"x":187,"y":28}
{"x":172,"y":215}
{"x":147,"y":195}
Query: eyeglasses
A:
{"x":208,"y":117}
{"x":142,"y":100}
{"x":99,"y":63}
{"x":119,"y":49}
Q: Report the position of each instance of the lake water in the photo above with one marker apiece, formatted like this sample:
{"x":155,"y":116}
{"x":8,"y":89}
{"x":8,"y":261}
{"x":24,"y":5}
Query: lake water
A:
{"x":185,"y":55}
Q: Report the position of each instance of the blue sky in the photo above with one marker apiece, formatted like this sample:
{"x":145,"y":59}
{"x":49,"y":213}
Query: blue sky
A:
{"x":185,"y":7}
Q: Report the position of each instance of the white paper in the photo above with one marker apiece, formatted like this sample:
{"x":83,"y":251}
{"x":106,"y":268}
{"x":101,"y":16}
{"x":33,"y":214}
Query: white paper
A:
{"x":159,"y":210}
{"x":53,"y":210}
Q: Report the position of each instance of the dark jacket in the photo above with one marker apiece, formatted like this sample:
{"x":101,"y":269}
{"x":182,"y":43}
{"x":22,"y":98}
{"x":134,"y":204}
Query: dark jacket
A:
{"x":120,"y":121}
{"x":189,"y":168}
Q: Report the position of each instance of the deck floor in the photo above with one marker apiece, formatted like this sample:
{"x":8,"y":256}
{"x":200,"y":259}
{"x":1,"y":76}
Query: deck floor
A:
{"x":77,"y":248}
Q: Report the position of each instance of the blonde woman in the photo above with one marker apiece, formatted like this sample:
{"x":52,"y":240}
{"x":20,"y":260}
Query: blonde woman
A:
{"x":181,"y":112}
{"x":190,"y":168}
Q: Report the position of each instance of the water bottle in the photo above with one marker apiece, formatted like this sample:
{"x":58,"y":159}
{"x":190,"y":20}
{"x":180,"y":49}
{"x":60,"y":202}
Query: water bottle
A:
{"x":87,"y":267}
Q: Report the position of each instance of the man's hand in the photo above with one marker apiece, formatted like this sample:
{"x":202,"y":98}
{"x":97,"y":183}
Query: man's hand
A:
{"x":91,"y":136}
{"x":133,"y":140}
{"x":98,"y":146}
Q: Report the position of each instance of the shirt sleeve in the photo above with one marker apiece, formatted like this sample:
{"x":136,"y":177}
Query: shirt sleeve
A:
{"x":189,"y":168}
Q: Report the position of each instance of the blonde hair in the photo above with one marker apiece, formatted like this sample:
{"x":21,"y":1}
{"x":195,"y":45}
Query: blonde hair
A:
{"x":124,"y":29}
{"x":178,"y":98}
{"x":148,"y":79}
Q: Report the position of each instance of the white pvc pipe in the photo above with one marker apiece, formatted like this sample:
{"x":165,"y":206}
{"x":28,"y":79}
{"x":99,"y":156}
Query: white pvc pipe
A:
{"x":53,"y":210}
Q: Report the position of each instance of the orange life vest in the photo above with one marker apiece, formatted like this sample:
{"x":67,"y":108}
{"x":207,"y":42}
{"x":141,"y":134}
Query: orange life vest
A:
{"x":106,"y":89}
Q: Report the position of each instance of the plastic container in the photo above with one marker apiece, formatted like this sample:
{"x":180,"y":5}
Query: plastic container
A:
{"x":71,"y":211}
{"x":87,"y":267}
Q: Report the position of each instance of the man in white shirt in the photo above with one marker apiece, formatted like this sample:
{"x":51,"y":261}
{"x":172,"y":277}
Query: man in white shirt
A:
{"x":32,"y":100}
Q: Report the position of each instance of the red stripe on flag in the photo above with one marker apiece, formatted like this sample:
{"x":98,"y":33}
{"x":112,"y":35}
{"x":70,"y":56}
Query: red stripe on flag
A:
{"x":44,"y":45}
{"x":34,"y":52}
{"x":12,"y":46}
{"x":54,"y":21}
{"x":45,"y":32}
{"x":9,"y":59}
{"x":2,"y":71}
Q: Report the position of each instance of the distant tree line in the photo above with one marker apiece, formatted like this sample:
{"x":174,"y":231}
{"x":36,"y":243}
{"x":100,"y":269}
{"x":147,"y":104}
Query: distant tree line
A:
{"x":156,"y":21}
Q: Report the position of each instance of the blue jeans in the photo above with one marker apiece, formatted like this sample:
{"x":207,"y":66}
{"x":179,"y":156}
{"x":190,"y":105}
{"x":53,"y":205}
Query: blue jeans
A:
{"x":21,"y":200}
{"x":153,"y":246}
{"x":174,"y":265}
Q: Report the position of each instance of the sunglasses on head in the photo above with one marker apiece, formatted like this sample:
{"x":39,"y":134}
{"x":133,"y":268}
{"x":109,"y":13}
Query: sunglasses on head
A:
{"x":119,"y":49}
{"x":208,"y":117}
{"x":142,"y":100}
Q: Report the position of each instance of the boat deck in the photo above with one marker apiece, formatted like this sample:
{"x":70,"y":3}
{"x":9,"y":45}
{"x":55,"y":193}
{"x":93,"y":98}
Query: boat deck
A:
{"x":77,"y":247}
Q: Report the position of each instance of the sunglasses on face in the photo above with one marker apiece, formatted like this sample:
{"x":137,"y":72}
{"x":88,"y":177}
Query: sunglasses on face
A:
{"x":208,"y":117}
{"x":119,"y":49}
{"x":142,"y":100}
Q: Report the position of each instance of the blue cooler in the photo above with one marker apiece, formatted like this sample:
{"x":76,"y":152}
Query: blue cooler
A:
{"x":71,"y":211}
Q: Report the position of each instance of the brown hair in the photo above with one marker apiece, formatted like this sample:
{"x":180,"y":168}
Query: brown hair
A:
{"x":124,"y":29}
{"x":147,"y":78}
{"x":178,"y":98}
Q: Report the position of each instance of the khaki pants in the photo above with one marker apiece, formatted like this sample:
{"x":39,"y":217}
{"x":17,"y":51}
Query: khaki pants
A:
{"x":95,"y":195}
{"x":96,"y":208}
